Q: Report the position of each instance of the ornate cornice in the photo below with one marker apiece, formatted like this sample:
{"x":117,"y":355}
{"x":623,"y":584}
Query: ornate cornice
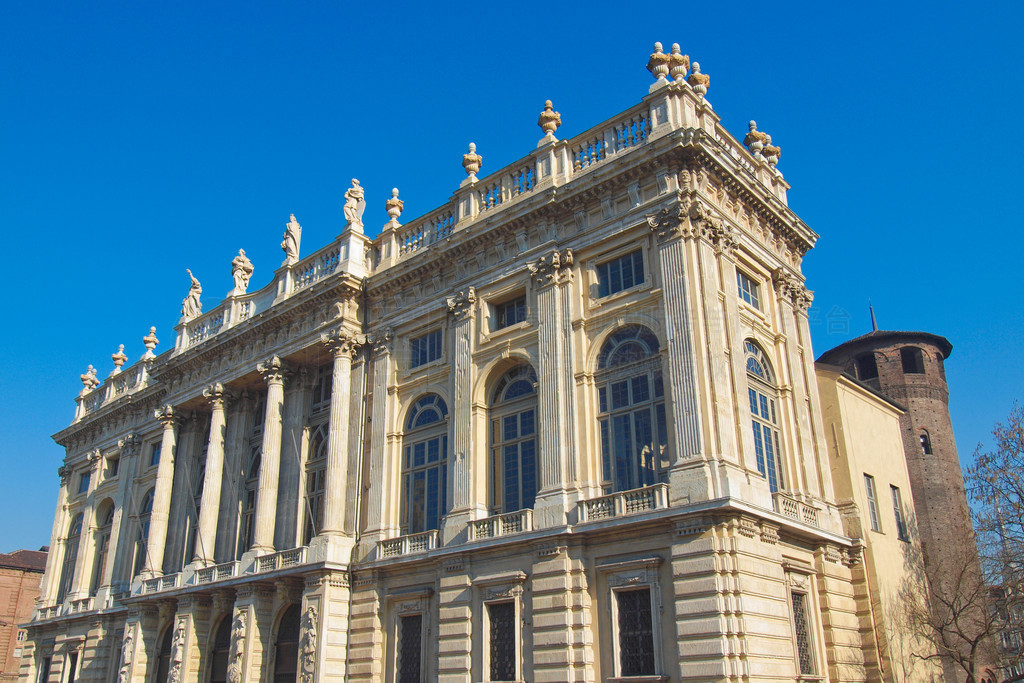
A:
{"x":381,"y":341}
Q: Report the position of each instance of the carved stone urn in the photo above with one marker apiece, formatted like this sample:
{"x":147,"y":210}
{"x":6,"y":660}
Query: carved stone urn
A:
{"x":698,"y":81}
{"x":549,"y":120}
{"x":679,"y":63}
{"x":471,"y":161}
{"x":658,"y":63}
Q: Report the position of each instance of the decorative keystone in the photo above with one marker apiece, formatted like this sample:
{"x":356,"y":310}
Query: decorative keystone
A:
{"x":191,"y":307}
{"x":700,"y":82}
{"x":150,"y":342}
{"x":471,"y":161}
{"x":549,"y":120}
{"x":658,"y":64}
{"x":119,"y":359}
{"x":394,"y":206}
{"x":679,"y":63}
{"x":755,"y":140}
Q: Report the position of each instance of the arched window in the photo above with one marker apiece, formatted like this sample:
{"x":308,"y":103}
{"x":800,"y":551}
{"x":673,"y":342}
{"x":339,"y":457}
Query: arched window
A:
{"x":286,"y":649}
{"x":102,"y":536}
{"x":316,"y":478}
{"x":514,"y":439}
{"x":221,"y":651}
{"x":926,"y":442}
{"x":425,"y":465}
{"x":145,"y":510}
{"x":631,"y":409}
{"x":67,"y":568}
{"x":246,"y":517}
{"x":912,"y":359}
{"x":764,"y":414}
{"x":163,"y":657}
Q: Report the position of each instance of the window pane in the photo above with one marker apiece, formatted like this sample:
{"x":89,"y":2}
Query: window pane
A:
{"x":502,"y":617}
{"x":409,"y":641}
{"x":636,"y":633}
{"x":511,"y":472}
{"x":624,"y":453}
{"x":527,"y":458}
{"x":640,"y":389}
{"x":510,"y":429}
{"x":620,"y":395}
{"x":526,"y":423}
{"x":433,"y":500}
{"x":758,"y":447}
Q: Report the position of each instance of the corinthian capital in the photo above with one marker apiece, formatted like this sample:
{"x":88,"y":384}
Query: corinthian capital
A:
{"x":704,"y":223}
{"x":460,"y":306}
{"x":553,"y":268}
{"x":217,"y":395}
{"x":273,"y":370}
{"x":129,"y":445}
{"x":790,"y":288}
{"x":166,"y":416}
{"x":64,"y":472}
{"x":380,"y":340}
{"x":341,"y":342}
{"x":668,"y":223}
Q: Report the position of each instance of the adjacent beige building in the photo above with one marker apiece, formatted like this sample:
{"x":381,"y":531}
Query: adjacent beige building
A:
{"x":565,"y":427}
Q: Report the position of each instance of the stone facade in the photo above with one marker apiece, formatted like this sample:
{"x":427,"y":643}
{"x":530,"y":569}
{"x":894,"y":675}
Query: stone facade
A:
{"x":565,"y":427}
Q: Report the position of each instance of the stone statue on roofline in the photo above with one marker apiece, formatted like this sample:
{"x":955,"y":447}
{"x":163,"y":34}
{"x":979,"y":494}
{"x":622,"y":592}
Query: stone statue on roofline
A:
{"x":679,"y":63}
{"x":191,"y":307}
{"x":658,"y":63}
{"x":394,"y":206}
{"x":355,"y":203}
{"x":120,"y":358}
{"x":241,"y":271}
{"x":292,"y":237}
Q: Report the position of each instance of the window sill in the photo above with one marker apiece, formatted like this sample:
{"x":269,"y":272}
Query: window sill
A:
{"x":754,"y":311}
{"x":611,"y":298}
{"x":507,"y":331}
{"x":426,"y":366}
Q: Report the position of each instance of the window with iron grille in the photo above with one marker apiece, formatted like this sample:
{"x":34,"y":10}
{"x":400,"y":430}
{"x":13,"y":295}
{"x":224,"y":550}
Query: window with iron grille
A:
{"x":501,"y":617}
{"x":620,"y":273}
{"x":425,"y":348}
{"x":804,"y":658}
{"x":635,"y":632}
{"x":750,"y":291}
{"x":410,"y":636}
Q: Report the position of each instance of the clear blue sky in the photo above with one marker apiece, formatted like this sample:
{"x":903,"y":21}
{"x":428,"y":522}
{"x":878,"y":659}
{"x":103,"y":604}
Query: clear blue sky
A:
{"x":138,"y":139}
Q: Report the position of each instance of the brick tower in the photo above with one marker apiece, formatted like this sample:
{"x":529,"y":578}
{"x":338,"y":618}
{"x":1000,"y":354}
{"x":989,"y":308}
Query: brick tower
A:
{"x":907,"y":367}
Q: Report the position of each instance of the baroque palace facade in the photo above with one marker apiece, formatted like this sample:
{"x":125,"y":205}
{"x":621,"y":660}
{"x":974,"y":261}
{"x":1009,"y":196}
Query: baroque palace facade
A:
{"x":567,"y":427}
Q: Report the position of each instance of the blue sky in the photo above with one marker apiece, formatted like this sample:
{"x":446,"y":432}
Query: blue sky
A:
{"x":139,"y":139}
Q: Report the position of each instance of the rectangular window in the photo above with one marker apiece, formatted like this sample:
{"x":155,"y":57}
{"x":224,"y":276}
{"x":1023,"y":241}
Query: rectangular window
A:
{"x":635,"y":632}
{"x":83,"y":482}
{"x":112,"y":465}
{"x":44,"y":670}
{"x":72,"y":667}
{"x":620,"y":273}
{"x":410,"y":637}
{"x":804,"y":658}
{"x":750,"y":291}
{"x":869,"y":487}
{"x":501,"y":618}
{"x":912,"y":360}
{"x":154,"y":455}
{"x":425,"y":348}
{"x":897,"y":509}
{"x":509,"y":313}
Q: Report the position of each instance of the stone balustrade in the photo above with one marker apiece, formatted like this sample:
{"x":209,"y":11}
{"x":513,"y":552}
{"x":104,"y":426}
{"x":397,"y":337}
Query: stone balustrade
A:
{"x":407,"y":545}
{"x":786,"y":505}
{"x":215,"y":573}
{"x":624,"y":503}
{"x":128,"y":381}
{"x":501,"y":525}
{"x":280,"y":560}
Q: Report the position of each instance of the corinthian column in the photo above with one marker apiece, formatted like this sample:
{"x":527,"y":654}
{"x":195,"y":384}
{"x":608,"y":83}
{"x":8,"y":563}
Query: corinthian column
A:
{"x":162,"y":495}
{"x":273,"y":371}
{"x":86,"y":540}
{"x":342,"y":346}
{"x":552,"y":275}
{"x":210,"y":504}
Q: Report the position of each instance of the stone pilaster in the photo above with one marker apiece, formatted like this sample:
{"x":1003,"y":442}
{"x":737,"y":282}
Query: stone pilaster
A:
{"x":366,"y":630}
{"x":194,"y":614}
{"x":560,"y":614}
{"x":119,"y":549}
{"x":209,"y":508}
{"x":384,"y":464}
{"x":552,"y":276}
{"x":273,"y":371}
{"x":324,"y":635}
{"x":139,"y":647}
{"x":162,"y":494}
{"x":461,"y":499}
{"x":342,"y":482}
{"x":454,"y":623}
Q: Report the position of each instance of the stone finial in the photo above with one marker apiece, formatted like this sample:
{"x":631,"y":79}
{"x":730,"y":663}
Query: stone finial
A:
{"x":679,"y":63}
{"x":771,"y":152}
{"x":658,"y":63}
{"x":700,"y":82}
{"x":89,"y":381}
{"x":471,"y":161}
{"x":191,"y":307}
{"x":241,"y":271}
{"x":394,"y":206}
{"x":755,"y":140}
{"x":549,"y":120}
{"x":292,"y":238}
{"x":150,"y":342}
{"x":355,"y":203}
{"x":119,"y":359}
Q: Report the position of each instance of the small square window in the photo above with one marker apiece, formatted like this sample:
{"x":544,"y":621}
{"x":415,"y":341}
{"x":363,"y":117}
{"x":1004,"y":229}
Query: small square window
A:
{"x":425,"y":348}
{"x":750,"y":290}
{"x":154,"y":455}
{"x":509,"y":313}
{"x":620,"y":273}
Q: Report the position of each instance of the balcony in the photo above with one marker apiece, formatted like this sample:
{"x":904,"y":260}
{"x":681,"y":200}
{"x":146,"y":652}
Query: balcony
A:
{"x":501,"y":525}
{"x":407,"y":545}
{"x":786,"y":505}
{"x":282,"y":560}
{"x":624,"y":503}
{"x":215,"y":573}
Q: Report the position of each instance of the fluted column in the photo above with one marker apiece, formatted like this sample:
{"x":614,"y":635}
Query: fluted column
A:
{"x":119,"y":551}
{"x":162,"y":495}
{"x":384,"y":466}
{"x":342,"y":346}
{"x":48,"y":587}
{"x":209,"y":509}
{"x":86,"y":540}
{"x":552,"y":276}
{"x":273,"y":371}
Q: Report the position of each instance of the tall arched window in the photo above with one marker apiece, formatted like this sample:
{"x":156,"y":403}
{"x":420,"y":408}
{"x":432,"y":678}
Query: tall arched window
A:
{"x":67,"y":568}
{"x":145,"y":511}
{"x":102,"y":536}
{"x":286,"y":648}
{"x":514,"y":439}
{"x":425,"y":465}
{"x":316,"y":478}
{"x":631,"y":409}
{"x":221,"y":651}
{"x":247,"y":513}
{"x":764,"y":414}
